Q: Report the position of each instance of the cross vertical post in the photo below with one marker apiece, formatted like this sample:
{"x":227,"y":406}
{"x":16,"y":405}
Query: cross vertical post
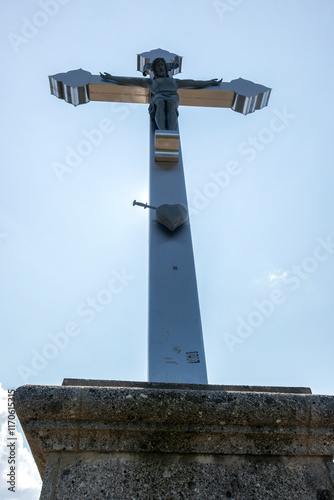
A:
{"x":175,"y":339}
{"x":176,"y":349}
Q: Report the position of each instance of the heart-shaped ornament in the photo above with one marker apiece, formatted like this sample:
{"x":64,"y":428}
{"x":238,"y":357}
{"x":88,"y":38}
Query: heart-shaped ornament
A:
{"x":171,"y":216}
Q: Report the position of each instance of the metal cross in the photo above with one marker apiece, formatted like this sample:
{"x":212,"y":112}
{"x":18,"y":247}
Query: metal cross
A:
{"x":175,"y":340}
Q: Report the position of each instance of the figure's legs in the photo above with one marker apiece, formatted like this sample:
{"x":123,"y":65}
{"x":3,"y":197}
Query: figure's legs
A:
{"x":160,"y":114}
{"x":171,"y":115}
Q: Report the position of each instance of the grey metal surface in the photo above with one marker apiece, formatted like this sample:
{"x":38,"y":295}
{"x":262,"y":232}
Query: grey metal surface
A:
{"x":71,"y":86}
{"x":249,"y":96}
{"x":176,"y":348}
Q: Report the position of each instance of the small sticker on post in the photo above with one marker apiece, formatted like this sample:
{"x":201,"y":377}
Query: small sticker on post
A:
{"x":193,"y":357}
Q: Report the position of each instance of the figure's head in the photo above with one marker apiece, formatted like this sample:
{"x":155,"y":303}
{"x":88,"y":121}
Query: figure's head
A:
{"x":159,"y":68}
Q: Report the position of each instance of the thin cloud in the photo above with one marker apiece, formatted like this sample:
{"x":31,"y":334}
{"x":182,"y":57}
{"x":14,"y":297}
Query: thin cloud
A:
{"x":276,"y":277}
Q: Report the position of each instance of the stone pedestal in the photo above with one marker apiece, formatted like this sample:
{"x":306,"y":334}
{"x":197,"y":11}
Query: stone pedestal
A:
{"x":122,"y":440}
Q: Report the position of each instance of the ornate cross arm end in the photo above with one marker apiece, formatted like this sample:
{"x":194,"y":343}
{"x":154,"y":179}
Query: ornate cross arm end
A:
{"x":249,"y":96}
{"x":71,"y":86}
{"x":145,"y":59}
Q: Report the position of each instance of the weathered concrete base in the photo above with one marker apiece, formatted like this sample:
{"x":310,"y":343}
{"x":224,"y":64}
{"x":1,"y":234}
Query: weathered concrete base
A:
{"x":154,"y":476}
{"x":151,"y":441}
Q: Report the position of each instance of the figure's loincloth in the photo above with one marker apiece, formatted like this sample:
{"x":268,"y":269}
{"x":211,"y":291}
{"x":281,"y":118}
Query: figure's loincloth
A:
{"x":166,"y":95}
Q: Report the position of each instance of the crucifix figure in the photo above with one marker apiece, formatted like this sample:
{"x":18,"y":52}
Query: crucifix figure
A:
{"x":164,"y":99}
{"x":175,"y":339}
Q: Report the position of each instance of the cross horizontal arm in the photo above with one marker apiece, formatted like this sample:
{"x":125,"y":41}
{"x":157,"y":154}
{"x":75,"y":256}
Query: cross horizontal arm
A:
{"x":79,"y":87}
{"x":110,"y":92}
{"x":188,"y":97}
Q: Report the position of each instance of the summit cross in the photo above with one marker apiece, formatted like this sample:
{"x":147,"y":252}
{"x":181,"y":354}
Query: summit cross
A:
{"x":175,"y":340}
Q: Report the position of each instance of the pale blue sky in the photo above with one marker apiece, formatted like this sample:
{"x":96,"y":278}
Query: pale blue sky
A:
{"x":260,"y":236}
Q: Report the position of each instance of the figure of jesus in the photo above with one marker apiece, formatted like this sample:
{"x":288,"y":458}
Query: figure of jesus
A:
{"x":164,"y":99}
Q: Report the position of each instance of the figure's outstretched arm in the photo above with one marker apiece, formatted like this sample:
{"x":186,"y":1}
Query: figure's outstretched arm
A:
{"x":197,"y":84}
{"x":126,"y":80}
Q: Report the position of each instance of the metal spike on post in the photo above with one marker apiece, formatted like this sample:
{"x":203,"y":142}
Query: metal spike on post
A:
{"x":176,"y":348}
{"x":144,"y":205}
